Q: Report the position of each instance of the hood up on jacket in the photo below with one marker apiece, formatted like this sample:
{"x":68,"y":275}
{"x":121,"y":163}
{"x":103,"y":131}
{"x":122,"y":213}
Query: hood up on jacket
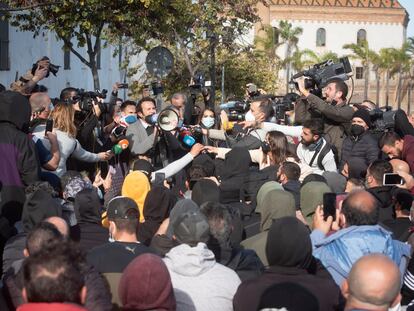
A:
{"x":190,"y":261}
{"x":136,"y":186}
{"x":265,"y":188}
{"x":39,"y":205}
{"x":15,"y":109}
{"x":88,"y":207}
{"x":205,"y":190}
{"x":311,"y":195}
{"x":275,"y":204}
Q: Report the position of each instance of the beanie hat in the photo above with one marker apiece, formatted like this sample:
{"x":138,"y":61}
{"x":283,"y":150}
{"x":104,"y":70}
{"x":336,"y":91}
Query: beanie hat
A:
{"x":191,"y":228}
{"x":364,"y":115}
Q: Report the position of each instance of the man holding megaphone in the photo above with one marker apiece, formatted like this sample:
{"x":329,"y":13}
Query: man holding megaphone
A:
{"x":141,"y":134}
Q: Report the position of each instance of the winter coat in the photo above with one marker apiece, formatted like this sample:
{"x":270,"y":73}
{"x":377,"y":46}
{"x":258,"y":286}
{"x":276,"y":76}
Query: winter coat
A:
{"x":19,"y":164}
{"x":339,"y":251}
{"x":363,"y":147}
{"x":408,"y":151}
{"x":200,"y":283}
{"x":386,"y":206}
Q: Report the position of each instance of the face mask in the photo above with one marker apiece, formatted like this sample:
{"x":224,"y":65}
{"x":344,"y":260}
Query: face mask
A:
{"x":207,"y":122}
{"x":51,"y":107}
{"x":265,"y":147}
{"x":357,"y":130}
{"x":131,"y":119}
{"x":249,"y":116}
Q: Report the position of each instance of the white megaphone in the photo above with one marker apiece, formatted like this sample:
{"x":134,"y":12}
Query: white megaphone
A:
{"x":167,"y":120}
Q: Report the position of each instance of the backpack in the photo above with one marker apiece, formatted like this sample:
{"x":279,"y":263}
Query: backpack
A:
{"x":321,"y":153}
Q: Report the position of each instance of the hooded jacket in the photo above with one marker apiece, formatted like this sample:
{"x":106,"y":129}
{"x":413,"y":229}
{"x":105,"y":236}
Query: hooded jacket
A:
{"x":289,"y":250}
{"x":19,"y":164}
{"x":275,"y":204}
{"x":200,"y":283}
{"x":157,"y":206}
{"x":311,"y":195}
{"x":408,"y":151}
{"x":136,"y":186}
{"x":339,"y":251}
{"x":38,"y":206}
{"x":88,"y":213}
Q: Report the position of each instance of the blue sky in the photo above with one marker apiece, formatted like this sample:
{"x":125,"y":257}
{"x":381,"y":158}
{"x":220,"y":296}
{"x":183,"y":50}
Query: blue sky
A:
{"x":409,"y":6}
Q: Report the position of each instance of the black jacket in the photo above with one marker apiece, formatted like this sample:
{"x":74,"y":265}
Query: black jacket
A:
{"x":293,"y":186}
{"x":363,"y":147}
{"x":384,"y":196}
{"x":19,"y":164}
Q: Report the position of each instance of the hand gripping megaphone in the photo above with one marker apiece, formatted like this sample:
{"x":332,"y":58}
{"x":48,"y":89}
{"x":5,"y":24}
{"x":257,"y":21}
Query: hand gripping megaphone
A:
{"x":167,"y":119}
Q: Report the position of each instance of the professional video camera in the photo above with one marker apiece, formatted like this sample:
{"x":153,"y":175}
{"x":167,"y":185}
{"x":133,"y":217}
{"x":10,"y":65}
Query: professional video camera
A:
{"x":52,"y":68}
{"x":283,"y":104}
{"x":382,"y":120}
{"x":237,"y":110}
{"x":86,"y":99}
{"x":319,"y":75}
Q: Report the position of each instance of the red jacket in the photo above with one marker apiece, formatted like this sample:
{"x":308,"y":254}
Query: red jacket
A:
{"x":55,"y":306}
{"x":408,"y":151}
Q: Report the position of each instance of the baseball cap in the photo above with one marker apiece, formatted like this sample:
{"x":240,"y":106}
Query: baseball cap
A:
{"x":191,"y":227}
{"x":122,"y":208}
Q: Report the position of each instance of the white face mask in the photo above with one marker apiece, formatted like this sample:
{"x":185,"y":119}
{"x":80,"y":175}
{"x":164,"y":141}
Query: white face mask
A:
{"x":207,"y":122}
{"x":249,"y":116}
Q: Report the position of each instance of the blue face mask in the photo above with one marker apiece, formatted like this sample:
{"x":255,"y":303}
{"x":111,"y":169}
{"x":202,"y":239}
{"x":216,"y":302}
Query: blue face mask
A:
{"x":131,"y":119}
{"x":208,"y":122}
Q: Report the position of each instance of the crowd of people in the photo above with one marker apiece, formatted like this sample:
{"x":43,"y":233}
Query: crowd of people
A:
{"x":107,"y":206}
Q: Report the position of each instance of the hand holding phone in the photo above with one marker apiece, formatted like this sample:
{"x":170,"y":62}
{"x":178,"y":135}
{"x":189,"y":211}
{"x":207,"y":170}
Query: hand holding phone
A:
{"x":49,"y":126}
{"x":329,"y":205}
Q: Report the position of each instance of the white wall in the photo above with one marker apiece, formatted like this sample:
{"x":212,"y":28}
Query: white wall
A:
{"x":339,"y":33}
{"x":24,"y":50}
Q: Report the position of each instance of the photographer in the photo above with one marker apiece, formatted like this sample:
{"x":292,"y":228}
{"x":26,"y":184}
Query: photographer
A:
{"x":334,"y":111}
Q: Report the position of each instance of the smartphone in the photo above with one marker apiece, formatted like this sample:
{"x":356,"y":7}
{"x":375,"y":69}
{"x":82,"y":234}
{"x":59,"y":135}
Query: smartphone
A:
{"x":159,"y":179}
{"x":49,"y":126}
{"x":122,"y":85}
{"x":329,"y":205}
{"x":392,"y":179}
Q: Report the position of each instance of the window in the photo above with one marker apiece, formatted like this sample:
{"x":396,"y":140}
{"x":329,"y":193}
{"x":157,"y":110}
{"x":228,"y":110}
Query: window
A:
{"x":98,"y":55}
{"x":359,"y":73}
{"x":361,"y":36}
{"x":4,"y":45}
{"x":275,"y":34}
{"x":66,"y":58}
{"x":321,"y":37}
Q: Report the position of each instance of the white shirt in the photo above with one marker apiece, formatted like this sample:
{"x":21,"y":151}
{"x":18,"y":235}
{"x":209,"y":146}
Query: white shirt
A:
{"x":305,"y":155}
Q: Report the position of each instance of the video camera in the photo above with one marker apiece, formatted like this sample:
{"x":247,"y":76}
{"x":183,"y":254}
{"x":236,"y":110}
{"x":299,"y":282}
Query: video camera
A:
{"x":319,"y":75}
{"x":86,"y":99}
{"x":382,"y":120}
{"x":237,"y":110}
{"x":283,"y":104}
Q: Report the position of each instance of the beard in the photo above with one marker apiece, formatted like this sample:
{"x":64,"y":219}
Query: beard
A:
{"x":305,"y":143}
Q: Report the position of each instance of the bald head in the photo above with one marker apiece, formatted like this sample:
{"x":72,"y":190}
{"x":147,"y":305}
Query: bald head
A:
{"x":373,"y":284}
{"x":400,"y":166}
{"x":360,"y":208}
{"x":60,"y":224}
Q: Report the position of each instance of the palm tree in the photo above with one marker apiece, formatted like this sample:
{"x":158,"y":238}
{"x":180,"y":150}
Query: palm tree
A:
{"x":362,"y":53}
{"x":289,"y":36}
{"x":386,"y":63}
{"x":377,"y":64}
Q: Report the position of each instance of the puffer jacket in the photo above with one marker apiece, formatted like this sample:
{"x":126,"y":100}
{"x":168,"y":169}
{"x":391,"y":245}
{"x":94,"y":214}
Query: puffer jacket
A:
{"x":339,"y":251}
{"x":364,"y":147}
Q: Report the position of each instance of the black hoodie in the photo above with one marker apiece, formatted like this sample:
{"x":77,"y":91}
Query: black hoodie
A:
{"x":19,"y":165}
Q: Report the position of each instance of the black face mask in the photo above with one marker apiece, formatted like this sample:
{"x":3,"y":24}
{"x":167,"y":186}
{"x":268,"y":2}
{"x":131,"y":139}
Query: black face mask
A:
{"x":357,"y":130}
{"x":265,"y":147}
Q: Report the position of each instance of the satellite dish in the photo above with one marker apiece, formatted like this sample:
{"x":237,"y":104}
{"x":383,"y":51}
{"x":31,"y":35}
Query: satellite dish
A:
{"x":159,"y":61}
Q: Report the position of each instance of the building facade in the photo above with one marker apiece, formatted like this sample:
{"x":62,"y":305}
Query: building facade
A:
{"x":330,"y":24}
